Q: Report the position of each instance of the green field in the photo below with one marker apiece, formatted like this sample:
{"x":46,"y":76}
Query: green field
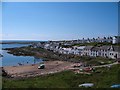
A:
{"x":102,"y":78}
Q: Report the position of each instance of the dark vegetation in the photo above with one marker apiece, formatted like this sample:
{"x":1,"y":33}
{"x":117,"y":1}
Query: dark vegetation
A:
{"x":38,"y":52}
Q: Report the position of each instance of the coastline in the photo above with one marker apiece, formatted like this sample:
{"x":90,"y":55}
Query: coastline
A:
{"x":32,"y":70}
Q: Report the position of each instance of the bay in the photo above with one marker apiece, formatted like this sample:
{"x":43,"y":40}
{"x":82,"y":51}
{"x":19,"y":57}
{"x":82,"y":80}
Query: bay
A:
{"x":12,"y":60}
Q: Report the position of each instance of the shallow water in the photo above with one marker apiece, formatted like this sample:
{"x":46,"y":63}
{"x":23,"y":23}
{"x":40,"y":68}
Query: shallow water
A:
{"x":11,"y":60}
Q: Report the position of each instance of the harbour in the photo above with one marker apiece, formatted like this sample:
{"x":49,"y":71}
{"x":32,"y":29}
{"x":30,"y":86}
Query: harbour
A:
{"x":12,"y":60}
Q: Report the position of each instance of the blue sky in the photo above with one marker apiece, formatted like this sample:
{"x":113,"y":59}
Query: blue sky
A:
{"x":58,"y":21}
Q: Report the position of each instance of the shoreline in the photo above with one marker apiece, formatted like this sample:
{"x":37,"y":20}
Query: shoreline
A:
{"x":33,"y":71}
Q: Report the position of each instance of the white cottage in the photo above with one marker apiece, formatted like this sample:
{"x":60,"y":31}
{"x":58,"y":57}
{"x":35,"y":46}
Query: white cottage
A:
{"x":114,"y":52}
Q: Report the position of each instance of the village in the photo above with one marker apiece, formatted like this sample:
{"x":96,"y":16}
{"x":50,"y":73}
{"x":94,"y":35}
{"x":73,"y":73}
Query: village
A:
{"x":92,"y":58}
{"x":60,"y":44}
{"x":68,"y":47}
{"x":81,"y":57}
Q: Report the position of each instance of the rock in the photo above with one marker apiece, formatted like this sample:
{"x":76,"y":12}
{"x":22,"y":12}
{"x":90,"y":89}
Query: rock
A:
{"x":4,"y":73}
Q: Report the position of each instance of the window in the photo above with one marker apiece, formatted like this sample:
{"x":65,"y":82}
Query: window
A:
{"x":99,"y":53}
{"x":116,"y":56}
{"x":111,"y":53}
{"x":103,"y":54}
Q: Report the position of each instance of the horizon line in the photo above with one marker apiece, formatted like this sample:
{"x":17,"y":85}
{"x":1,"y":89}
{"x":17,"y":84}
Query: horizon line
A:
{"x":52,"y":40}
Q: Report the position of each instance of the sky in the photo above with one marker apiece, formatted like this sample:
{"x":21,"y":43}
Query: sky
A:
{"x":58,"y":20}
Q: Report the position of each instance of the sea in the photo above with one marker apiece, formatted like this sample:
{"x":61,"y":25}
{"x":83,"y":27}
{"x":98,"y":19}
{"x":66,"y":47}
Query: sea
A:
{"x":12,"y":60}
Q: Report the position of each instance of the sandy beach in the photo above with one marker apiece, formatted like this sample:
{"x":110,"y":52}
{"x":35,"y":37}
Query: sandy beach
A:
{"x":32,"y":70}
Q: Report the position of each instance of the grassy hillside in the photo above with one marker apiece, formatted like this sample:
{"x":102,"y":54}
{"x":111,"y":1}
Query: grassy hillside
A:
{"x":103,"y":77}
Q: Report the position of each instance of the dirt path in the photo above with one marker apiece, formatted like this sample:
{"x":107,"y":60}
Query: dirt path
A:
{"x":32,"y":70}
{"x":106,"y":65}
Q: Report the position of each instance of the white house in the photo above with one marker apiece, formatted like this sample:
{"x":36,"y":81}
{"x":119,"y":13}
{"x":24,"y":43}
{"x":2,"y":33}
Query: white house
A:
{"x":87,"y":50}
{"x":116,"y":39}
{"x":114,"y":52}
{"x":103,"y":51}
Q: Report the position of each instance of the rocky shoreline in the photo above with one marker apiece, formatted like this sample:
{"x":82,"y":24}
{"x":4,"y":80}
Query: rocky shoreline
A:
{"x":40,"y":53}
{"x":18,"y":52}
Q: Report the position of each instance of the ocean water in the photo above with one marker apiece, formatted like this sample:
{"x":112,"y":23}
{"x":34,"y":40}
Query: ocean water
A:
{"x":21,"y":41}
{"x":13,"y":45}
{"x":11,"y":60}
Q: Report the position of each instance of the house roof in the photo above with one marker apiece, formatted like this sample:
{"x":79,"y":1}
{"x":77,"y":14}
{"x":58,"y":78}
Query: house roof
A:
{"x":96,"y":48}
{"x":88,"y":47}
{"x":116,"y":48}
{"x":105,"y":47}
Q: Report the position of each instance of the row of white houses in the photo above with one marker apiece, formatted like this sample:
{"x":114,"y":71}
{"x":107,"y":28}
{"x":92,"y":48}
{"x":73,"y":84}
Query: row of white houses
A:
{"x":74,"y":50}
{"x":103,"y":51}
{"x":93,"y":51}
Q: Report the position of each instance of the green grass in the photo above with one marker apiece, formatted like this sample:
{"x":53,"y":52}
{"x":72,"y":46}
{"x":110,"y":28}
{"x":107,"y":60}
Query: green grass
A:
{"x":67,"y":79}
{"x":93,"y":60}
{"x":99,"y":61}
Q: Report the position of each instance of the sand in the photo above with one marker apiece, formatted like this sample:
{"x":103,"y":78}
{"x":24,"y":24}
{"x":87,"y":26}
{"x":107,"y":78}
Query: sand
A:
{"x":32,"y":70}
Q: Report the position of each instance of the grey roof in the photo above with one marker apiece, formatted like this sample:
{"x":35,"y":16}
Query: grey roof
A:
{"x":88,"y":47}
{"x":96,"y":48}
{"x":105,"y":47}
{"x":116,"y":48}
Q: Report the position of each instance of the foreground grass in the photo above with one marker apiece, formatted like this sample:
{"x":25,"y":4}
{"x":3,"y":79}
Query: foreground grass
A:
{"x":67,"y":79}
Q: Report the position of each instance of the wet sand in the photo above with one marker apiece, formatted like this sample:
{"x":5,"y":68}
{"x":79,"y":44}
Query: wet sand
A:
{"x":32,"y":70}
